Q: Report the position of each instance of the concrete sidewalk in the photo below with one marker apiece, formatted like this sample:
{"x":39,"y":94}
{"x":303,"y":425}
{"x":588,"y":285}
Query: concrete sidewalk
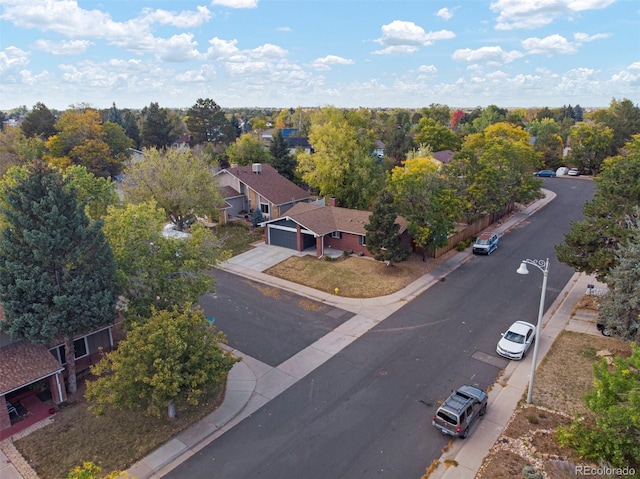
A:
{"x":251,"y":383}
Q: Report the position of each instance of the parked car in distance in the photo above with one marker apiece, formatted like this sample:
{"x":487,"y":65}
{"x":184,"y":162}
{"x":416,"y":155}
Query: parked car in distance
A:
{"x":545,"y":173}
{"x":486,"y":243}
{"x":563,"y":170}
{"x":460,"y":410}
{"x":516,"y":340}
{"x":573,"y":172}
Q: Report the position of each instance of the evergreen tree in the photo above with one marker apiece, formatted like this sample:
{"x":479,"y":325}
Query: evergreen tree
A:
{"x":282,"y":161}
{"x":131,"y":128}
{"x":39,"y":123}
{"x":115,"y":116}
{"x":257,"y":217}
{"x":207,"y":123}
{"x":620,"y":307}
{"x":158,"y":130}
{"x":57,"y":271}
{"x":383,"y":232}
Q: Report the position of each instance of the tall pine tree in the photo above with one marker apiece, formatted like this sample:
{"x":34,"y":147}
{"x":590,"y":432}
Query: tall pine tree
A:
{"x":282,"y":160}
{"x":383,"y":232}
{"x":56,"y":267}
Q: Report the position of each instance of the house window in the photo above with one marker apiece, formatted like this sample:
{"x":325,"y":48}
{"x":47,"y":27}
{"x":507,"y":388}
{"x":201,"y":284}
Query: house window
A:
{"x":336,"y":234}
{"x":264,"y":208}
{"x":80,"y":347}
{"x":363,"y":241}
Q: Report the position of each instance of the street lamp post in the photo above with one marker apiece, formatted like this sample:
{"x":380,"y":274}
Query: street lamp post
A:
{"x":542,"y":265}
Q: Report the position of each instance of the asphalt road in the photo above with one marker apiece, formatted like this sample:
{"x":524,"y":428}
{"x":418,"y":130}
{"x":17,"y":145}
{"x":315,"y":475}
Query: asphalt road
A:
{"x":264,"y":322}
{"x":366,"y":412}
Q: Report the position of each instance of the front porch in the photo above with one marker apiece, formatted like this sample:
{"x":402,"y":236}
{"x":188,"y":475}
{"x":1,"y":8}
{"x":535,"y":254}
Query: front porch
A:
{"x":30,"y":408}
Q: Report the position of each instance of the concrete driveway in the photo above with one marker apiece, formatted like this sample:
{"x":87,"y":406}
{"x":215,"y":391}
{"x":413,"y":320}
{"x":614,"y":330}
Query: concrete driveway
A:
{"x":263,"y":257}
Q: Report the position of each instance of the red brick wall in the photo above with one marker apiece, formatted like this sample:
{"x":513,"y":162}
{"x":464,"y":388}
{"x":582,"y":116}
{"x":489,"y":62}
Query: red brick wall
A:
{"x":348,"y":242}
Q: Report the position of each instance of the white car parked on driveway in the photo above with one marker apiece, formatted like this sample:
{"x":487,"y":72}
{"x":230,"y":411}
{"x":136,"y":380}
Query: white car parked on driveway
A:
{"x":516,"y":340}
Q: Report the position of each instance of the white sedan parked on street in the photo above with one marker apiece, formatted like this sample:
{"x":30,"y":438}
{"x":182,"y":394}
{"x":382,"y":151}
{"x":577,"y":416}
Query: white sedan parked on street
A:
{"x":516,"y":340}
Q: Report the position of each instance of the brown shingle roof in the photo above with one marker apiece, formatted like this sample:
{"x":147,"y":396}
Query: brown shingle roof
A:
{"x":322,"y":219}
{"x":22,"y":363}
{"x":269,"y":183}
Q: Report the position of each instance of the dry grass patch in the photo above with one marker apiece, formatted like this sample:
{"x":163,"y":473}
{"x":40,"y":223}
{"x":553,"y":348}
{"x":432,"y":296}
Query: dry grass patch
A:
{"x":562,"y":379}
{"x":355,"y":277}
{"x":114,"y":441}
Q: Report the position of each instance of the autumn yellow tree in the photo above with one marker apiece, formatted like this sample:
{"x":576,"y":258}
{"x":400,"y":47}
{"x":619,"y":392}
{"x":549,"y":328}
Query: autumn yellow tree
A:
{"x":82,"y":139}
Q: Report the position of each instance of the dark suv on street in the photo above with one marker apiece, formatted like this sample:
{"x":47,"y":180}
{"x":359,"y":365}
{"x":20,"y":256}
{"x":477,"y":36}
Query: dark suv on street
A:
{"x":460,"y":410}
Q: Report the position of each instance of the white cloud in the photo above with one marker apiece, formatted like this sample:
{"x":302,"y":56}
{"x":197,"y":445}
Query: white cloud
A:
{"x":551,"y":45}
{"x":629,"y":76}
{"x":284,"y":29}
{"x":405,"y":37}
{"x":184,"y":19}
{"x":73,"y":47}
{"x":490,"y":55}
{"x":585,"y":37}
{"x":429,"y":69}
{"x":324,"y":63}
{"x":533,"y":14}
{"x":236,"y":3}
{"x":178,"y":48}
{"x":445,"y":13}
{"x":12,"y":59}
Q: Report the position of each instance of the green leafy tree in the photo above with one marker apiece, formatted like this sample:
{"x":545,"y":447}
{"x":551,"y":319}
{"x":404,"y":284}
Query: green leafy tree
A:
{"x":248,"y":149}
{"x":591,"y":244}
{"x":548,"y":142}
{"x":281,"y":159}
{"x":181,"y":183}
{"x":441,"y":114}
{"x":57,"y":271}
{"x":94,"y":192}
{"x":342,"y":164}
{"x":623,"y":118}
{"x":493,"y":169}
{"x":16,"y":149}
{"x":438,"y":137}
{"x":39,"y":122}
{"x":397,"y":145}
{"x":159,"y":127}
{"x":383,"y":231}
{"x":590,"y":145}
{"x":426,"y":199}
{"x":155,"y":271}
{"x":620,"y":307}
{"x":614,"y":438}
{"x":169,"y":360}
{"x":207,"y":123}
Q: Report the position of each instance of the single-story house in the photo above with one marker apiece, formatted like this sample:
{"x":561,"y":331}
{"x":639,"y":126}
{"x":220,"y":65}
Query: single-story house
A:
{"x":28,"y":370}
{"x":443,"y":156}
{"x":321,"y":226}
{"x":258,"y":186}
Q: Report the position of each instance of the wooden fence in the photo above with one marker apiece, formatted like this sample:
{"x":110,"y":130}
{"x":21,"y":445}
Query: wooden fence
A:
{"x":469,"y":231}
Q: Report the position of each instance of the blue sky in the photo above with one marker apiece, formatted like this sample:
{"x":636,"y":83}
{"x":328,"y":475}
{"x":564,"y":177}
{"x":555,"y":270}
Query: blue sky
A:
{"x":306,"y":53}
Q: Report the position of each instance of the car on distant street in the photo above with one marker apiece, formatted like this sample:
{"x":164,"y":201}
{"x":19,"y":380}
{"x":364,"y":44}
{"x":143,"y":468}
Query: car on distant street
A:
{"x":516,"y":340}
{"x":460,"y":410}
{"x":563,"y":170}
{"x":573,"y":172}
{"x":545,"y":173}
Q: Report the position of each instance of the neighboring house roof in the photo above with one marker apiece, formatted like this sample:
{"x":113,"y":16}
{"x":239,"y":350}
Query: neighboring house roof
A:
{"x":229,"y":192}
{"x":379,"y":145}
{"x":299,"y":142}
{"x":23,"y":363}
{"x":322,"y":219}
{"x":268,"y":183}
{"x":443,"y":156}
